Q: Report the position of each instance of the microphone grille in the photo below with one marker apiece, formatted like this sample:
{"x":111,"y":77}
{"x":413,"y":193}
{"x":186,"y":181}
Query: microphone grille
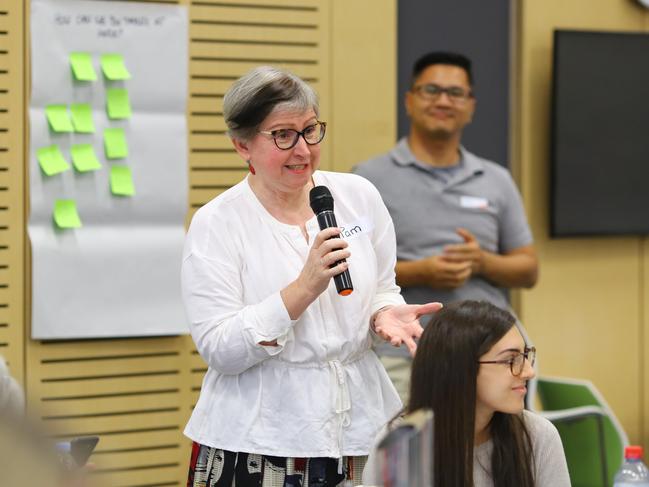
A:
{"x":320,"y":199}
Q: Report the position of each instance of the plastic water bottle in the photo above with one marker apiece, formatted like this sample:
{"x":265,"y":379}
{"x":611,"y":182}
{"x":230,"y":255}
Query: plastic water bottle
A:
{"x":633,"y":472}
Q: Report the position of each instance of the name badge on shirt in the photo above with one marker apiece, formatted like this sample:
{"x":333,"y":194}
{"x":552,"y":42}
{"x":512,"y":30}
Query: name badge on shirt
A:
{"x":349,"y":230}
{"x":474,"y":202}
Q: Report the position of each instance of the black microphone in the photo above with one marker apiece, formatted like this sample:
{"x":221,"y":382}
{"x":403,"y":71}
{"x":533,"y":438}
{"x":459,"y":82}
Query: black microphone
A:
{"x":322,"y":204}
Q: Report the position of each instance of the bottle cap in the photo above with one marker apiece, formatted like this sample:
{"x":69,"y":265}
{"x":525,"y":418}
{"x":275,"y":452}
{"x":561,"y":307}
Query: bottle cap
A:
{"x":633,"y":451}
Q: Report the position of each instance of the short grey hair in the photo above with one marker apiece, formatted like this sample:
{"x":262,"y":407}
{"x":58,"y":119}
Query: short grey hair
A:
{"x":260,"y":92}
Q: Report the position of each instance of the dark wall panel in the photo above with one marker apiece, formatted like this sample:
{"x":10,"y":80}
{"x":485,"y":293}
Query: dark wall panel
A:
{"x":478,"y":29}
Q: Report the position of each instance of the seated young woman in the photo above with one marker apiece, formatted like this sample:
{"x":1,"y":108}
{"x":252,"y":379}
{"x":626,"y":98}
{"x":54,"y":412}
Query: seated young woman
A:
{"x":471,"y":369}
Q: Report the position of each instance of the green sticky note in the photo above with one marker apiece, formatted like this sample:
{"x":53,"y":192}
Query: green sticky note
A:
{"x":57,"y":116}
{"x":82,"y":118}
{"x":84,"y":158}
{"x":113,"y":67}
{"x":121,"y":182}
{"x":82,"y":68}
{"x":117,"y":104}
{"x":115,"y":144}
{"x":65,"y":214}
{"x":51,"y":160}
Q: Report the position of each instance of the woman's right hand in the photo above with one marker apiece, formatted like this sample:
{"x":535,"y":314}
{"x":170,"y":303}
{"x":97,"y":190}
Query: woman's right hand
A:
{"x":327,"y":249}
{"x":316,"y":274}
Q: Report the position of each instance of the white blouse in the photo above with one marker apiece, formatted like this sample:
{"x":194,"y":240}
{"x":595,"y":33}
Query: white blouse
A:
{"x":322,"y":392}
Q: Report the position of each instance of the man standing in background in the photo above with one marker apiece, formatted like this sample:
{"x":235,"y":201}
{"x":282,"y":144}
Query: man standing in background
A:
{"x":459,"y":219}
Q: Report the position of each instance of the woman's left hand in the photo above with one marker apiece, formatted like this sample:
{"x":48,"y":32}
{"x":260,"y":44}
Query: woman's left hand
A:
{"x":400,"y":324}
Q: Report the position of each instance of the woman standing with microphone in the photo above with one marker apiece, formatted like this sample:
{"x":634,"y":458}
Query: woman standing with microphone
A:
{"x":293,"y":394}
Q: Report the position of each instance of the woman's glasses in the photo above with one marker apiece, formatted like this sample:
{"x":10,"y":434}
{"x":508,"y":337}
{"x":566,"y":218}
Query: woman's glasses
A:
{"x":287,"y":138}
{"x":517,"y":362}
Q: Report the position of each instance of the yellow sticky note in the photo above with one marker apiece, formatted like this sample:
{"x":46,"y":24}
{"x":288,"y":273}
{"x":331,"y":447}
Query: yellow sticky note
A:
{"x":57,"y":116}
{"x":121,"y":182}
{"x":66,"y":215}
{"x":113,"y":67}
{"x":117,"y":104}
{"x":115,"y":144}
{"x":51,"y":160}
{"x":81,"y":63}
{"x":84,"y":158}
{"x":82,"y":118}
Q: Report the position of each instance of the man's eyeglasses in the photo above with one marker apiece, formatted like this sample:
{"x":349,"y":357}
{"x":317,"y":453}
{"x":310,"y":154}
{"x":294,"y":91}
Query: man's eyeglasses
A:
{"x":287,"y":138}
{"x":517,"y":362}
{"x":431,"y":91}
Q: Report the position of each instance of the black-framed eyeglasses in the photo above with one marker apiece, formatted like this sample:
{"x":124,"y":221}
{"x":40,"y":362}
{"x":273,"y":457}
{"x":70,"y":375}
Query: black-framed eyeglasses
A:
{"x":287,"y":138}
{"x":517,"y":362}
{"x":431,"y":91}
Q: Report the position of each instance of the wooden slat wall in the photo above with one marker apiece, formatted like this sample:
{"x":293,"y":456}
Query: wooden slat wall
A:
{"x":132,"y":393}
{"x":12,"y":95}
{"x":137,"y":394}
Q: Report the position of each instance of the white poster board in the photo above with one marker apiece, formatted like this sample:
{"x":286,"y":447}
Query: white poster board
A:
{"x":119,"y":274}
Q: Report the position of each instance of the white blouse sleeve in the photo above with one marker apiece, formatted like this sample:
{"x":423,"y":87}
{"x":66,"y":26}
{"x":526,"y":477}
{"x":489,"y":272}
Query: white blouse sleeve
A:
{"x":385,"y":246}
{"x":226,"y":331}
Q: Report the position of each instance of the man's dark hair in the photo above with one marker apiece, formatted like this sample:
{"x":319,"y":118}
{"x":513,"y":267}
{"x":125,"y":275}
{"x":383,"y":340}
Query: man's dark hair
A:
{"x":442,"y":57}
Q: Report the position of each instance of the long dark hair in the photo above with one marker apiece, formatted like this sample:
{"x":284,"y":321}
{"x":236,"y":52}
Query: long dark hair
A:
{"x":444,"y":378}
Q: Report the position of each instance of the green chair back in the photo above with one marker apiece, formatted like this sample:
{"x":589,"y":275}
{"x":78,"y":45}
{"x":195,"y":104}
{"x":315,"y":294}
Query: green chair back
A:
{"x":581,"y":438}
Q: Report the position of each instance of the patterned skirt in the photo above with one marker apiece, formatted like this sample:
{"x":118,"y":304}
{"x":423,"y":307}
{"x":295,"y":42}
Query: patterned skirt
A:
{"x":212,"y":467}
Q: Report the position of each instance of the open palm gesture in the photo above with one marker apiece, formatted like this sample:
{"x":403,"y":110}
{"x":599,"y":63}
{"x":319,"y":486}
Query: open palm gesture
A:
{"x":400,"y":324}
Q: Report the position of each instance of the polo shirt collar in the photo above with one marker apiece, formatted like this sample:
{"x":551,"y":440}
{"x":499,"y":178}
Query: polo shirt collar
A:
{"x":471,"y":164}
{"x":402,"y":155}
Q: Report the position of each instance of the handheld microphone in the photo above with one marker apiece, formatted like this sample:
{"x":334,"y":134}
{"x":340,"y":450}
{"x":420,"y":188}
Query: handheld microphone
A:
{"x":322,"y":204}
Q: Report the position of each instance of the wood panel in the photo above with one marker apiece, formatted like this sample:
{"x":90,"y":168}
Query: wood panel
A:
{"x":12,"y":123}
{"x":585,"y":315}
{"x":131,"y":393}
{"x":643,"y":342}
{"x":364,"y":81}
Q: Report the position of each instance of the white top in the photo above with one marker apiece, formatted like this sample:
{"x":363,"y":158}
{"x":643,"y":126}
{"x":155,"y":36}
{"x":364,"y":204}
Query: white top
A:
{"x":322,"y":391}
{"x":550,"y":467}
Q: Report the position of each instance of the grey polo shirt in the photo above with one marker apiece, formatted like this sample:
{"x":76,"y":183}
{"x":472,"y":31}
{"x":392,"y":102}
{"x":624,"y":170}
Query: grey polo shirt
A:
{"x":428,"y":205}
